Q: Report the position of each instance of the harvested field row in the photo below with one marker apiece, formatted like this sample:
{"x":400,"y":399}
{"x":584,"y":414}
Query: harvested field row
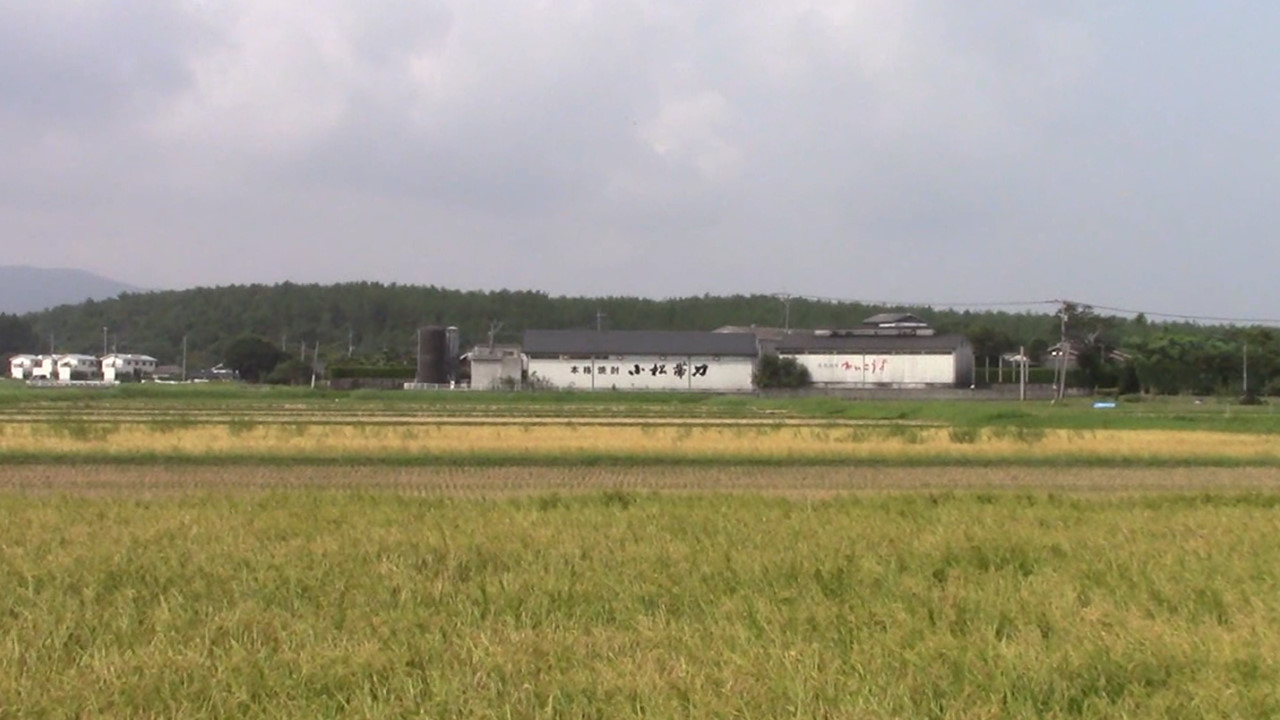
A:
{"x":566,"y":443}
{"x":426,"y":418}
{"x":500,"y":481}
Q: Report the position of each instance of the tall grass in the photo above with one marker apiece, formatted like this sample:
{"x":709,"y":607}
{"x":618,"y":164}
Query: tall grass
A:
{"x":618,"y":604}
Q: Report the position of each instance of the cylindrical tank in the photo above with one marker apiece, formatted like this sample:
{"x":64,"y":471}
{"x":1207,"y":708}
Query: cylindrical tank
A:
{"x":433,"y":350}
{"x":452,"y":351}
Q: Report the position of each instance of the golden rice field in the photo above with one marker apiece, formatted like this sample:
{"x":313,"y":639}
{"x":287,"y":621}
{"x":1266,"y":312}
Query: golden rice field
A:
{"x":496,"y":482}
{"x":512,"y":442}
{"x":312,"y":603}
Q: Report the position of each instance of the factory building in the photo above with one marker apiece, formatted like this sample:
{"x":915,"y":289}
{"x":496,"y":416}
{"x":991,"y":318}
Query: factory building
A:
{"x":640,"y":360}
{"x":889,"y":350}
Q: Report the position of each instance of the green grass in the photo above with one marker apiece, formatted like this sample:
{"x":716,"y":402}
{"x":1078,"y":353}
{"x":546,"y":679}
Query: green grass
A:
{"x":178,"y":400}
{"x":618,"y":604}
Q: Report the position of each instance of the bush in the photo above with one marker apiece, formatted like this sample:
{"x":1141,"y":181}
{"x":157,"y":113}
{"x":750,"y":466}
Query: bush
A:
{"x":290,"y":372}
{"x":387,"y":372}
{"x":780,"y":372}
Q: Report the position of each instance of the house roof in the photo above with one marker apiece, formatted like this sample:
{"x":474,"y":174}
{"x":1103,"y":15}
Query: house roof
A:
{"x":872,"y":343}
{"x":763,"y":332}
{"x":891,"y":318}
{"x":130,"y":356}
{"x":638,"y":342}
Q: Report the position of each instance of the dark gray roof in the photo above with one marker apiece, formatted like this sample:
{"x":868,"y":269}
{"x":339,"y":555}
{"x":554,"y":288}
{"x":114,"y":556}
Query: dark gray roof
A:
{"x":872,"y":343}
{"x":638,"y":342}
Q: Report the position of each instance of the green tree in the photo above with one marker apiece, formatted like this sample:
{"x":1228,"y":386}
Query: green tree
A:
{"x":16,"y":336}
{"x":780,"y":372}
{"x":253,"y":357}
{"x":289,"y":372}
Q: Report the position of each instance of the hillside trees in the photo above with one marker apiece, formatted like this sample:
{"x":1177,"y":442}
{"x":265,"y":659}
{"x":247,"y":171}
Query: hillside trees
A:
{"x":16,"y":336}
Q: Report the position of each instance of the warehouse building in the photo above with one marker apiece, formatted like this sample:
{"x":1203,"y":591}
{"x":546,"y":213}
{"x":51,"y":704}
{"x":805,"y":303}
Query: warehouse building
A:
{"x":641,"y":360}
{"x":890,"y":350}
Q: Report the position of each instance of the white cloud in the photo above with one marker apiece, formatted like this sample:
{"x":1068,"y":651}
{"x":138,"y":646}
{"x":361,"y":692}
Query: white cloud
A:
{"x":569,"y":145}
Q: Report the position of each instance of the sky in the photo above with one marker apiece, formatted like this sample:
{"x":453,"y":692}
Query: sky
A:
{"x":919,"y":151}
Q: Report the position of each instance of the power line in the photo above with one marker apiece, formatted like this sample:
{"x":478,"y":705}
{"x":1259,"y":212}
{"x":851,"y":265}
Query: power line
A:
{"x":1193,"y":318}
{"x":1047,"y":302}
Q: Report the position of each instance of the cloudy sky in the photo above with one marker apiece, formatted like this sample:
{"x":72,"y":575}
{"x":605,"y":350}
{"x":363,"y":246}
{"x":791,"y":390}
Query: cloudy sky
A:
{"x":942,"y":151}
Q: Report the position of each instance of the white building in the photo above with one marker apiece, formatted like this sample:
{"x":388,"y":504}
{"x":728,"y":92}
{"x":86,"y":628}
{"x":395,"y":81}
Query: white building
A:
{"x":44,"y":367}
{"x":500,"y":367}
{"x":77,"y":367}
{"x":21,"y":367}
{"x":888,"y":350}
{"x":117,"y":366}
{"x":641,"y":360}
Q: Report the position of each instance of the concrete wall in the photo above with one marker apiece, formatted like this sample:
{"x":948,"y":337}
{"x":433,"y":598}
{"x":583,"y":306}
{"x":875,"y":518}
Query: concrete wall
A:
{"x":645,"y":372}
{"x":879,"y":369}
{"x":994,"y":393}
{"x":498,"y":373}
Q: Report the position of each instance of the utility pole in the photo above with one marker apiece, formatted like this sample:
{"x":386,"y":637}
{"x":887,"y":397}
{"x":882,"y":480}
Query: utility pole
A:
{"x":600,"y":316}
{"x":1022,"y":373}
{"x":351,"y":344}
{"x":184,"y":358}
{"x":786,"y":310}
{"x":104,"y":340}
{"x":494,"y":327}
{"x":1246,"y":368}
{"x":1063,"y":353}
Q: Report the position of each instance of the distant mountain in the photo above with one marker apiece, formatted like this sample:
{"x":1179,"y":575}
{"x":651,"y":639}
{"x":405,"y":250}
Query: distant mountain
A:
{"x":29,"y":289}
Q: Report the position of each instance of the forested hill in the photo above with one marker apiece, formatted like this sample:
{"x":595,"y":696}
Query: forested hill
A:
{"x":382,"y":319}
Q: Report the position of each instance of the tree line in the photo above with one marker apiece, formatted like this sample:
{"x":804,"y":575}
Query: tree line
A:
{"x":375,"y":323}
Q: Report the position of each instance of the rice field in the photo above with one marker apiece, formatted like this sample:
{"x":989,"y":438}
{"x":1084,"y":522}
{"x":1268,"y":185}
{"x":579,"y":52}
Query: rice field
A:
{"x":484,"y":482}
{"x":572,"y":442}
{"x":306,"y":562}
{"x":621,"y":603}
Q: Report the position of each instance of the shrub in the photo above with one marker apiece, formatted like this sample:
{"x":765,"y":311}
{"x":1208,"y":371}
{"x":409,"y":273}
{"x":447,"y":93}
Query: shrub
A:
{"x":388,"y":372}
{"x":780,"y":372}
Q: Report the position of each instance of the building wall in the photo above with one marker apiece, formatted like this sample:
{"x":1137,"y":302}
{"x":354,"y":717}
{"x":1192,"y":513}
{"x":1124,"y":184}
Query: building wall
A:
{"x":20,"y":368}
{"x":488,"y":374}
{"x":68,"y":367}
{"x":889,"y":370}
{"x":645,"y":372}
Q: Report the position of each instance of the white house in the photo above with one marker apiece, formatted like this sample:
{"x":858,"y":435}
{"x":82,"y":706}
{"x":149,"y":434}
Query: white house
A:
{"x":44,"y":367}
{"x":116,"y":366}
{"x":22,"y":366}
{"x":77,"y":367}
{"x":641,"y":360}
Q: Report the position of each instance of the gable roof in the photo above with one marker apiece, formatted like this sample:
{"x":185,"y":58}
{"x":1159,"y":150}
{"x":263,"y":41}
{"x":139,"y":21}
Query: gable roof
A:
{"x":129,"y":356}
{"x":892,"y":318}
{"x":638,"y":342}
{"x":872,"y":343}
